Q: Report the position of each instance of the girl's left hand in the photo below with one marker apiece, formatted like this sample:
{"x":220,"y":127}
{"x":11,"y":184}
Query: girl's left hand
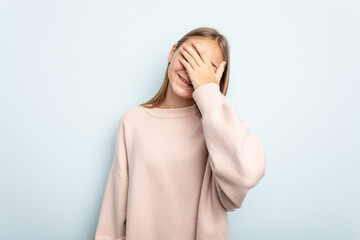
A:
{"x":199,"y":67}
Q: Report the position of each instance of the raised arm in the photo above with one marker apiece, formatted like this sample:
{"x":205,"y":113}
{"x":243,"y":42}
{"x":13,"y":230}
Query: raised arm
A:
{"x":236,"y":155}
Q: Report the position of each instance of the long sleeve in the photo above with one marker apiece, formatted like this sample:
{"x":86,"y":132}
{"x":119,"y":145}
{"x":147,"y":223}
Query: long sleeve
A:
{"x":236,"y":155}
{"x":112,"y":219}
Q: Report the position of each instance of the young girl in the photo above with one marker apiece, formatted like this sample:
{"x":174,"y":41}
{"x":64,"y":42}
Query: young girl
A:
{"x":183,"y":159}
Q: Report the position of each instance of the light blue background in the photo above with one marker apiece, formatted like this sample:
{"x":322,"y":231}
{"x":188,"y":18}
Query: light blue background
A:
{"x":70,"y":69}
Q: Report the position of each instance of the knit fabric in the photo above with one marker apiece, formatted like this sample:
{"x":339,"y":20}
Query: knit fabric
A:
{"x":177,"y":172}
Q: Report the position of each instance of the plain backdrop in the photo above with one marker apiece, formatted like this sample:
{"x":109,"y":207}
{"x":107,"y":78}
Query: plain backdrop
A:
{"x":70,"y":69}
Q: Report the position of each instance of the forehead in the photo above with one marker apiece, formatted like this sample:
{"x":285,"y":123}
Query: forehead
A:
{"x":211,"y":47}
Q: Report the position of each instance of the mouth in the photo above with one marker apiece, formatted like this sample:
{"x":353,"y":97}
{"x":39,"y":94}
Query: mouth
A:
{"x":185,"y":81}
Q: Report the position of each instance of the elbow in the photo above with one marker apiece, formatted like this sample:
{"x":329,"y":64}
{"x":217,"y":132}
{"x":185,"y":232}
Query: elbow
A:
{"x":255,"y":158}
{"x":252,"y":178}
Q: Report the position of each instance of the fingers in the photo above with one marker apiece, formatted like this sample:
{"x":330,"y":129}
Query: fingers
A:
{"x":186,"y":64}
{"x":202,"y":53}
{"x":189,"y":58}
{"x":220,"y":71}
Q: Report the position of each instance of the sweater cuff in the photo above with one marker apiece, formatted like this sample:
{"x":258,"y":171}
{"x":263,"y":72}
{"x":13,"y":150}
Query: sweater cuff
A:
{"x":207,"y":96}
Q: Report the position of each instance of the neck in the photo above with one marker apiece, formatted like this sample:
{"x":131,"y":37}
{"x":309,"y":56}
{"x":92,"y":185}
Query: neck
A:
{"x":172,"y":100}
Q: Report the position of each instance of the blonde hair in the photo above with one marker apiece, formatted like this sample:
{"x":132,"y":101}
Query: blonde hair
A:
{"x":206,"y":32}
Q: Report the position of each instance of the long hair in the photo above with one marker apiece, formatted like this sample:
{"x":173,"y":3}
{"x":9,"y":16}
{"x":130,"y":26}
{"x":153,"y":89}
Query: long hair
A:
{"x":211,"y":34}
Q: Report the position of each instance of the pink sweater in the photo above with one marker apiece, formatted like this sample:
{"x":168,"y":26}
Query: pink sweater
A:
{"x":177,"y":172}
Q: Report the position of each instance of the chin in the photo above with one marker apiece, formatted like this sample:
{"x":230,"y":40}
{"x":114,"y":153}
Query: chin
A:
{"x":180,"y":90}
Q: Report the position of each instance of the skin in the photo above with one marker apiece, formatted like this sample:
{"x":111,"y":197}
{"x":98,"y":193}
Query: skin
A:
{"x":193,"y":62}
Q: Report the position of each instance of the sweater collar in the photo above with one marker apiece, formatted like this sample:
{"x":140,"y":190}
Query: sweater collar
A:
{"x":172,"y":112}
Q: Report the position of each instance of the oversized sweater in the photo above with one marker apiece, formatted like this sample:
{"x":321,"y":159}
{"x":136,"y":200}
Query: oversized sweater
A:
{"x":177,"y":172}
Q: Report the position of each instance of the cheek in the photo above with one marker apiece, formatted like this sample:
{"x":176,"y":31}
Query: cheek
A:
{"x":179,"y":65}
{"x":177,"y":61}
{"x":176,"y":66}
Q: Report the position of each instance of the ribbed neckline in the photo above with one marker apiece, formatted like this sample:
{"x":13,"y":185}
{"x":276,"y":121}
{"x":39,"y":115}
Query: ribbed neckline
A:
{"x":172,"y":112}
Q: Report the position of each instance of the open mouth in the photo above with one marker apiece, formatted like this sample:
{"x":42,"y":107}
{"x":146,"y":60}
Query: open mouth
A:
{"x":185,"y":81}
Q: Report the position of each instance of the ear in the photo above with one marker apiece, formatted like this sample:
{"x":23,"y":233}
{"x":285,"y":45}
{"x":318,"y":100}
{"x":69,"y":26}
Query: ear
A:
{"x":171,"y":53}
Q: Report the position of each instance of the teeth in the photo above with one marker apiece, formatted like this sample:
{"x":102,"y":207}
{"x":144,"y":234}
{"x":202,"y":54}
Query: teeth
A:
{"x":185,"y":80}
